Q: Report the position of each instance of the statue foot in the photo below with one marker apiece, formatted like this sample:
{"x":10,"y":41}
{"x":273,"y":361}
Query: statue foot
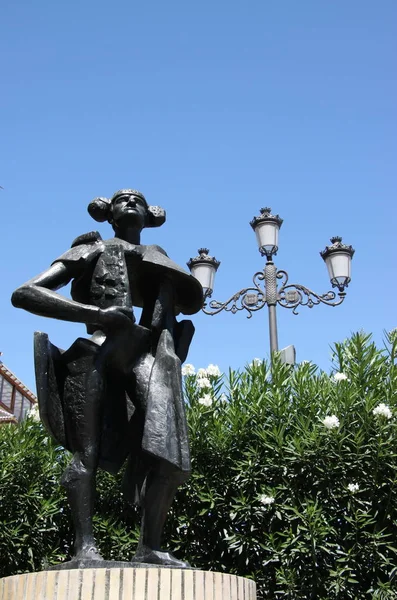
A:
{"x":87,"y":553}
{"x":156,"y":557}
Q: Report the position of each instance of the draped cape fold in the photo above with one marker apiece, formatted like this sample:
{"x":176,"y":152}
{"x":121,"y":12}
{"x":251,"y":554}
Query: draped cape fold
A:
{"x":148,"y":419}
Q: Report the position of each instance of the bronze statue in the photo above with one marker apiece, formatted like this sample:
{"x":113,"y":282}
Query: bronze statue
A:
{"x":117,"y":396}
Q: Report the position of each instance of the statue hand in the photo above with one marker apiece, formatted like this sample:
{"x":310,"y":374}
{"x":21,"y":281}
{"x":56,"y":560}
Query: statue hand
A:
{"x":115,"y":317}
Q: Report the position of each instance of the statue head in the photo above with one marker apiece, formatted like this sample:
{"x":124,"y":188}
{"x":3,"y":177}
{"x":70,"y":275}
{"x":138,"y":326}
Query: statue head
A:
{"x":126,"y":208}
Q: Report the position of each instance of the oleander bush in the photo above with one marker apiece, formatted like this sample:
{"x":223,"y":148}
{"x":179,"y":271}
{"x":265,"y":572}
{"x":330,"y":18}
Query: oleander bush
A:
{"x":294,"y":481}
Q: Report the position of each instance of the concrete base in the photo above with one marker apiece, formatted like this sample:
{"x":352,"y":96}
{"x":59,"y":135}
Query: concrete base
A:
{"x":127,"y":584}
{"x":107,"y":564}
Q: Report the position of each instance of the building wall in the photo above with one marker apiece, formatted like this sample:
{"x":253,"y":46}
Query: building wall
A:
{"x":15,"y":398}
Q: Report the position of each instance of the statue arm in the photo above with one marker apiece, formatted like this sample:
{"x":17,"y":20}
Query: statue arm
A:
{"x":39,"y":297}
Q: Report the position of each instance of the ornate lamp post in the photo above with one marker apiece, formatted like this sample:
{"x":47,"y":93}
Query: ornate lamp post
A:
{"x":265,"y":290}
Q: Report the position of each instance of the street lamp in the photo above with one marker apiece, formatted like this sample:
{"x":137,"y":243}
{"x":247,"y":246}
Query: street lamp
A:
{"x":203,"y":268}
{"x":265,"y":290}
{"x":266,"y":228}
{"x":338,"y":258}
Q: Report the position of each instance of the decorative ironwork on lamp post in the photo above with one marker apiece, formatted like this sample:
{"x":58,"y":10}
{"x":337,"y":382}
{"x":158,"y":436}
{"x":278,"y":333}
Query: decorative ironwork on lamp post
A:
{"x":265,"y":290}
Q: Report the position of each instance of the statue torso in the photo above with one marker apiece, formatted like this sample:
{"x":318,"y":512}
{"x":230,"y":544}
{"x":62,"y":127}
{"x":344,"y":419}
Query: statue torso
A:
{"x":114,"y":272}
{"x":115,"y":275}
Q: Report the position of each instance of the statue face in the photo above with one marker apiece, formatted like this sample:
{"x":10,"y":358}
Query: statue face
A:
{"x":129,"y":210}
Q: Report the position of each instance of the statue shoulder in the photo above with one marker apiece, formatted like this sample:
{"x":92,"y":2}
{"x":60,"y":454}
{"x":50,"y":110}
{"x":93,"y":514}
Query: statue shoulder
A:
{"x":156,"y":248}
{"x":189,"y":293}
{"x":84,"y":249}
{"x":87,"y":238}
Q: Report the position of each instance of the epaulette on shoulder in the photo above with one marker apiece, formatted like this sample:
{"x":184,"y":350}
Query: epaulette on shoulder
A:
{"x":87,"y":238}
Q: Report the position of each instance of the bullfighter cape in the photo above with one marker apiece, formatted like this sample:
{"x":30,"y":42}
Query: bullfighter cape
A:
{"x":156,"y":424}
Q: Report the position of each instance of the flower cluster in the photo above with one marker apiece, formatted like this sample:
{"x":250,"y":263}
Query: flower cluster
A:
{"x":339,"y":377}
{"x":34,"y":413}
{"x":353,"y":487}
{"x":204,"y":380}
{"x":382,"y":411}
{"x":206,"y":400}
{"x":188,"y":369}
{"x":331,"y":422}
{"x":266,"y":500}
{"x":201,"y":373}
{"x":213,"y":371}
{"x":210,"y":371}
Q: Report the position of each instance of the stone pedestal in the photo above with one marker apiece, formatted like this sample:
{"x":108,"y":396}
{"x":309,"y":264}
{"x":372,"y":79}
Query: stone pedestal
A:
{"x":127,"y":584}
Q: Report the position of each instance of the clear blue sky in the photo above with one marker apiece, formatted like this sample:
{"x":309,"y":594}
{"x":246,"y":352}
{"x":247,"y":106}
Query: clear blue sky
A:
{"x":213,"y":110}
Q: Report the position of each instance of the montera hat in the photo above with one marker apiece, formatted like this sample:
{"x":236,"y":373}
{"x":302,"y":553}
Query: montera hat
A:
{"x":100,"y":208}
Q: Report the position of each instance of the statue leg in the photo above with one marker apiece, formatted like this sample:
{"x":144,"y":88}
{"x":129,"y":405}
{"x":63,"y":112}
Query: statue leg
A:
{"x":156,"y":478}
{"x":80,"y":475}
{"x":156,"y":497}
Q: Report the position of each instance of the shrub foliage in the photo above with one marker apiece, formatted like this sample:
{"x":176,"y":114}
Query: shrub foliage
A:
{"x":294,"y":481}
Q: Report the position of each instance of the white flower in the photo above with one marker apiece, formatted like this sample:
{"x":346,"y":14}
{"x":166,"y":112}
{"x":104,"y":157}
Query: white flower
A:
{"x":213,"y":371}
{"x":206,"y":400}
{"x":201,"y":373}
{"x":353,"y":487}
{"x":331,"y":422}
{"x":223,"y":398}
{"x":34,"y":413}
{"x":382,"y":411}
{"x":203,"y":382}
{"x":256,"y":362}
{"x":188,"y":369}
{"x":266,"y":500}
{"x":339,"y":377}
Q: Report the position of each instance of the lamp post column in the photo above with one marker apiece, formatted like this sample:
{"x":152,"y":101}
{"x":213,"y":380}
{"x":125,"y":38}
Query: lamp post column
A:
{"x":271,"y":301}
